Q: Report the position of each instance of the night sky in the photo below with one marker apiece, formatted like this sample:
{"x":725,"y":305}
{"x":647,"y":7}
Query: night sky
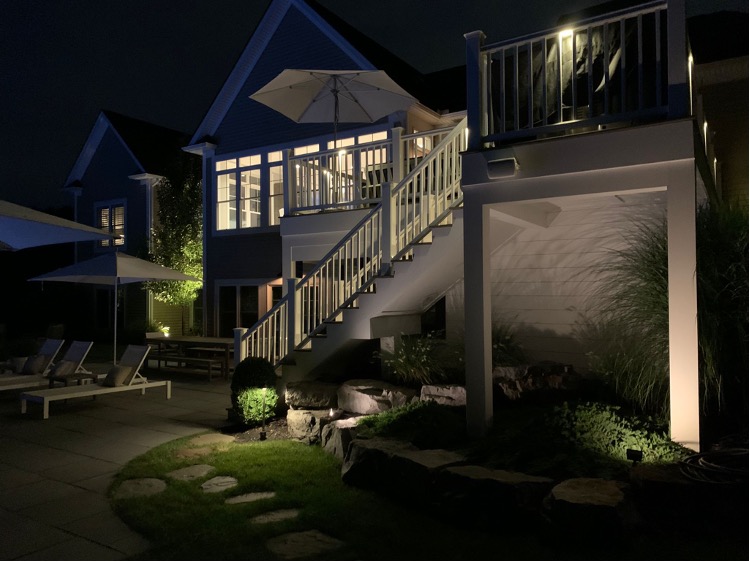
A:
{"x":164,"y":61}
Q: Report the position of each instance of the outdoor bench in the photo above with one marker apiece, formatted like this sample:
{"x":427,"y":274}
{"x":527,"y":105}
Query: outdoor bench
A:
{"x":44,"y":397}
{"x":209,"y":363}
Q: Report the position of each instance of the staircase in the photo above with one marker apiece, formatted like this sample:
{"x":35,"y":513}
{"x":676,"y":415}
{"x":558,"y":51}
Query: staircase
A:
{"x":395,"y":262}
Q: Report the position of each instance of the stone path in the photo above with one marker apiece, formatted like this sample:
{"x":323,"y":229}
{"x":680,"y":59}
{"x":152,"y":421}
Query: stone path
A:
{"x":289,"y":546}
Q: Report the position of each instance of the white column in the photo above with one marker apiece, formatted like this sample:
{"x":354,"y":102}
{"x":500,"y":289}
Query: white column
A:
{"x":240,"y":349}
{"x":478,"y":319}
{"x":684,"y":390}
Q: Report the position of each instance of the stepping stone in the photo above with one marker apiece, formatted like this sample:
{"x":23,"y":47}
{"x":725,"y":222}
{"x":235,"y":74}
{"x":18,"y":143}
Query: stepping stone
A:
{"x":194,"y":453}
{"x":211,"y":439}
{"x":275,"y":516}
{"x":218,"y":484}
{"x":251,"y":497}
{"x":305,"y":544}
{"x":140,"y":487}
{"x":191,"y":472}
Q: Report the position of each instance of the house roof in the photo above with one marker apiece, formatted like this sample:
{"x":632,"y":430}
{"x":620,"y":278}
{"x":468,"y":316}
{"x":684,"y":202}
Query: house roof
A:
{"x":151,"y":146}
{"x":367,"y":54}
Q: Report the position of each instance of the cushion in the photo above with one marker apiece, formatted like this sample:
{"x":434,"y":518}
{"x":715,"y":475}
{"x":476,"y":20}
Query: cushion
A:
{"x":116,"y":375}
{"x":63,"y":368}
{"x":34,"y":365}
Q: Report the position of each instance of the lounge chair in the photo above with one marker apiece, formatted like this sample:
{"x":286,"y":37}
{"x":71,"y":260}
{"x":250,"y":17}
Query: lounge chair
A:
{"x":70,"y":367}
{"x":31,"y":374}
{"x":122,"y":377}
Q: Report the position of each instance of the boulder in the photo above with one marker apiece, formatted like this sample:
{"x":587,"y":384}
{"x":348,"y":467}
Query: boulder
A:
{"x":395,"y":467}
{"x":336,"y":436}
{"x":315,"y":395}
{"x":445,"y":394}
{"x":493,"y":495}
{"x":592,"y":509}
{"x":366,"y":396}
{"x":545,"y":376}
{"x":305,"y":425}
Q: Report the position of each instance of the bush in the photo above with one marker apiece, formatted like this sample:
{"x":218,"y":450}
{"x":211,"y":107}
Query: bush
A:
{"x":253,"y":374}
{"x":414,"y":362}
{"x":256,"y":405}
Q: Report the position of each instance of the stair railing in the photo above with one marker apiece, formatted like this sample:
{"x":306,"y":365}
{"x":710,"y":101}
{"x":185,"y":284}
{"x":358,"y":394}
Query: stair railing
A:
{"x":405,"y":215}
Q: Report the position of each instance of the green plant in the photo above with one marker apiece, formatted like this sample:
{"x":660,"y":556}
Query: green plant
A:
{"x":426,"y":424}
{"x":631,"y":332}
{"x":253,"y":373}
{"x":257,"y":405}
{"x":506,"y":351}
{"x":414,"y":361}
{"x":603,"y":429}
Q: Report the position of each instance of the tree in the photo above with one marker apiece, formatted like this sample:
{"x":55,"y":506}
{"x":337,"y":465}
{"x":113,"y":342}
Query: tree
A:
{"x":178,"y":234}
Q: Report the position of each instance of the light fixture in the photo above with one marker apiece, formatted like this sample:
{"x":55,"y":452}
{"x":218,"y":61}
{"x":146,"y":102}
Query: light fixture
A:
{"x":565,"y":33}
{"x":503,"y":168}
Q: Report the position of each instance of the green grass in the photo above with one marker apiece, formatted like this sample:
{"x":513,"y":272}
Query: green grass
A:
{"x":185,"y":523}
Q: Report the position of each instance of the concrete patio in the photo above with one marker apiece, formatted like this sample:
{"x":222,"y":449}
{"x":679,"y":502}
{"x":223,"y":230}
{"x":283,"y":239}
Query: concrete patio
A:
{"x":54,"y":474}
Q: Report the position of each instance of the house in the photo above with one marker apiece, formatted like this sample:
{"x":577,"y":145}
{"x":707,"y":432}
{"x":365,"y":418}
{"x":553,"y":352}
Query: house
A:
{"x":113,"y":186}
{"x":313,"y":250}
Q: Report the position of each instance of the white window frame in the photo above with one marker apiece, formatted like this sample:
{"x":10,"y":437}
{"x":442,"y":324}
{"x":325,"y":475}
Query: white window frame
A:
{"x":121,"y":242}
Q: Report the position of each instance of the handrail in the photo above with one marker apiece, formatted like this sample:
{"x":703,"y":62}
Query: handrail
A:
{"x":421,"y":201}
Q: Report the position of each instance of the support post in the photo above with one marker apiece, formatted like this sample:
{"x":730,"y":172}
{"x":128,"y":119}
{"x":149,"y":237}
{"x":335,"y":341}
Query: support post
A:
{"x":287,"y":180}
{"x":678,"y":91}
{"x":397,"y":155}
{"x":475,"y":95}
{"x":240,"y":349}
{"x":478,"y":319}
{"x":294,"y":315}
{"x":684,"y":386}
{"x":387,"y":229}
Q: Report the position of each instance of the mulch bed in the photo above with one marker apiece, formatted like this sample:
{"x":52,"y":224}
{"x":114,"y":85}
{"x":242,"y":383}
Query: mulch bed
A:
{"x":275,"y":429}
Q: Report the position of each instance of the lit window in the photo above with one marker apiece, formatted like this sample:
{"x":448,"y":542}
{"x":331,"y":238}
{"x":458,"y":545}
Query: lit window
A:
{"x":111,"y":217}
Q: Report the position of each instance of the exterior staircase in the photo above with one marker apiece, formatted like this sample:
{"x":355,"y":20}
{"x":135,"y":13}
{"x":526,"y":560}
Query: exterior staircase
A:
{"x":394,"y":264}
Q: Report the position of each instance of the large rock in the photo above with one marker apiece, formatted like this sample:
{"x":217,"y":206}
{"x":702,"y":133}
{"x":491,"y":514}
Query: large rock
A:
{"x":305,"y":425}
{"x":590,"y":509}
{"x":315,"y":395}
{"x":493,"y":495}
{"x":395,"y":467}
{"x":336,"y":436}
{"x":543,"y":377}
{"x":366,"y":396}
{"x":445,"y":394}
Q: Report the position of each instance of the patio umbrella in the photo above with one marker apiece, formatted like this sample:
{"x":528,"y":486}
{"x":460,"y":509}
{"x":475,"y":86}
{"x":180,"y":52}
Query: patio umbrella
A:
{"x":21,"y":227}
{"x":114,"y":269}
{"x":334,"y":96}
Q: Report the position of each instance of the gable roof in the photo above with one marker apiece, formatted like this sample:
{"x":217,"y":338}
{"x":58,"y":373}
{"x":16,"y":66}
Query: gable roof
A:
{"x":365,"y":52}
{"x":152,"y":147}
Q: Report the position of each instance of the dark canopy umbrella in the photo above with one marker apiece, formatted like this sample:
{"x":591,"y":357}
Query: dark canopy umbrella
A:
{"x":114,"y":268}
{"x":21,"y":227}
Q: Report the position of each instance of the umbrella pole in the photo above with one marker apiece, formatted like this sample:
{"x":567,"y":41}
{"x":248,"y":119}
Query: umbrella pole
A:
{"x":114,"y":347}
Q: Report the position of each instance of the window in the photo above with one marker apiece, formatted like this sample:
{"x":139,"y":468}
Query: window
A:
{"x":237,"y":308}
{"x":110,"y":216}
{"x":242,"y":187}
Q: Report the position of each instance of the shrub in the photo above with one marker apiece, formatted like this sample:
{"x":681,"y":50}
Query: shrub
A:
{"x":414,"y":361}
{"x":601,"y":428}
{"x":256,"y":405}
{"x":253,"y":374}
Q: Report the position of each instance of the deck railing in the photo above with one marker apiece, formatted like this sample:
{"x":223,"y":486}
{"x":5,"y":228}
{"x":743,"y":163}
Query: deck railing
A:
{"x":407,"y":212}
{"x":352,"y":177}
{"x":627,"y":65}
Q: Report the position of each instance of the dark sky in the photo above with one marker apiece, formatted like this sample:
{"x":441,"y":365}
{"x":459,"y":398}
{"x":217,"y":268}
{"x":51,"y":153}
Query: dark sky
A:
{"x":165,"y":60}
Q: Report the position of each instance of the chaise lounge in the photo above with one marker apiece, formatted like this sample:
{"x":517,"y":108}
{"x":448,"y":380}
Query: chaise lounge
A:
{"x":31,"y":373}
{"x":120,"y":378}
{"x":70,"y":367}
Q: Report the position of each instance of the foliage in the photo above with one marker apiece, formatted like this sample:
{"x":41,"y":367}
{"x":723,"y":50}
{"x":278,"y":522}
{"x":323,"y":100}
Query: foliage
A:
{"x":414,"y":361}
{"x":250,"y":375}
{"x":426,"y":424}
{"x":601,"y":428}
{"x":506,"y":351}
{"x":257,"y":405}
{"x":632,"y":330}
{"x":178,"y":234}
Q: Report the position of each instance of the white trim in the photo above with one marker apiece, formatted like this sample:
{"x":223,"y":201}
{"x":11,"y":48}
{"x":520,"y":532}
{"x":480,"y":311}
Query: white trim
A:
{"x":263,"y":34}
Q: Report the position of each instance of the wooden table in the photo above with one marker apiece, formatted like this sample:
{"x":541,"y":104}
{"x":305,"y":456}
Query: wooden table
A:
{"x":222,"y":346}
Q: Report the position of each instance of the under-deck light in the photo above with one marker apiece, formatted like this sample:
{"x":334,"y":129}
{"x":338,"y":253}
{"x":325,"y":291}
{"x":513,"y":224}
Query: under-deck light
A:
{"x":565,"y":33}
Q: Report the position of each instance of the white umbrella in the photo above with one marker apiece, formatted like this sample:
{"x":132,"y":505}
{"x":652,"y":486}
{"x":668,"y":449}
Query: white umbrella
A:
{"x":114,"y":268}
{"x":334,"y":96}
{"x":21,"y":227}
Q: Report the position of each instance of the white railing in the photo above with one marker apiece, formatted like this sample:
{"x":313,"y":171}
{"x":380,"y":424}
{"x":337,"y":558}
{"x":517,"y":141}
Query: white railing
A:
{"x":353,"y":176}
{"x":408,"y":212}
